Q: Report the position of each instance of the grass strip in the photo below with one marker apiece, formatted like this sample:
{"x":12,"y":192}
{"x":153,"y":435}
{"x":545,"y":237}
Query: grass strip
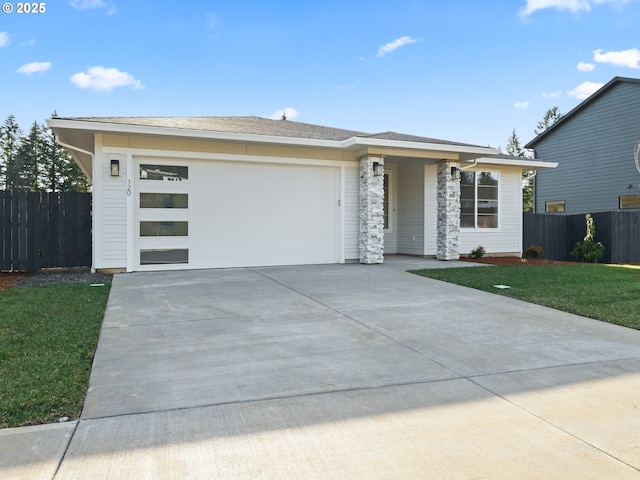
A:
{"x":48,"y":337}
{"x":605,"y":292}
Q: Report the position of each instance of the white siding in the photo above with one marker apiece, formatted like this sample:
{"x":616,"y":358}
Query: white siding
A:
{"x":351,"y":199}
{"x":431,"y":209}
{"x":391,"y":234}
{"x":507,"y":237}
{"x":110,"y":208}
{"x":410,"y":209}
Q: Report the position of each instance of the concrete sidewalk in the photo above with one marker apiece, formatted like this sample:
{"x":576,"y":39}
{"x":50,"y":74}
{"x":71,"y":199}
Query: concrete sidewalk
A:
{"x":341,"y":372}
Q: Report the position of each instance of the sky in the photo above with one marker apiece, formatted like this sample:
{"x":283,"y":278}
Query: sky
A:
{"x":463,"y":70}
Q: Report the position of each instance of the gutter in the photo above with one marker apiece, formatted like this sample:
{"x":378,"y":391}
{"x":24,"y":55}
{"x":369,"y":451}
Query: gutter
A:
{"x":72,"y":148}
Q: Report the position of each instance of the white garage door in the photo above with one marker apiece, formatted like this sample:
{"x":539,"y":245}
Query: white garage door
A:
{"x":202,"y":214}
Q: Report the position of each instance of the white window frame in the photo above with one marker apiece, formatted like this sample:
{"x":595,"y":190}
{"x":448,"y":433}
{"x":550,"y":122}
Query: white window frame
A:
{"x":496,"y":174}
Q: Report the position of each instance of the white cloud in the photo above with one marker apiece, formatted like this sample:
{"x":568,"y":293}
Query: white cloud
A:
{"x":34,"y":67}
{"x":552,"y":94}
{"x":4,"y":39}
{"x":625,"y":58}
{"x":89,"y":4}
{"x":571,"y":5}
{"x":289,"y":112}
{"x":585,"y":67}
{"x":105,"y":79}
{"x":521,"y":105}
{"x":584,"y":90}
{"x":397,"y":43}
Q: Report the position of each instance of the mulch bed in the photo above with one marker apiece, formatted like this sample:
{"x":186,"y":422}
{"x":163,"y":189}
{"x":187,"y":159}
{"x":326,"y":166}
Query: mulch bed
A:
{"x":515,"y":261}
{"x":9,"y":279}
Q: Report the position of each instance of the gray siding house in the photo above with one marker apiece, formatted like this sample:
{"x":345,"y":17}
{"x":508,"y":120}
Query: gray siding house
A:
{"x":594,"y":147}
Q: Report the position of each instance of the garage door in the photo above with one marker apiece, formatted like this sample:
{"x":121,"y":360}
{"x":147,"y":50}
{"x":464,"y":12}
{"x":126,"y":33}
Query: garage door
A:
{"x":200,"y":214}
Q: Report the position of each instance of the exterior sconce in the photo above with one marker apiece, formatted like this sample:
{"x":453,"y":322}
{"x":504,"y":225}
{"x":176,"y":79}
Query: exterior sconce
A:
{"x":455,"y":173}
{"x":115,"y":168}
{"x":378,"y":169}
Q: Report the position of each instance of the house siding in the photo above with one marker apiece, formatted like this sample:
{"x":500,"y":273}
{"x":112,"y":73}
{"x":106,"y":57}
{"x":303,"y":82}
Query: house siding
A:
{"x":594,"y":151}
{"x":410,"y":208}
{"x":507,"y":238}
{"x":430,"y":209}
{"x":112,"y":210}
{"x":351,"y":198}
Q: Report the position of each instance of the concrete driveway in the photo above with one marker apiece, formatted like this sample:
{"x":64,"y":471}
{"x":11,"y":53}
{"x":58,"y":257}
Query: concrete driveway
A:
{"x":342,"y":372}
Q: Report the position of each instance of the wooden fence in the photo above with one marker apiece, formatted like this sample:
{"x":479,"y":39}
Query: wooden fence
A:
{"x":44,"y":230}
{"x":619,"y":232}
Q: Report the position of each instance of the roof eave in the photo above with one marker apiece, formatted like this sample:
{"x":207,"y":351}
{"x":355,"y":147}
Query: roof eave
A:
{"x":526,"y":163}
{"x":360,"y":142}
{"x":105,"y":127}
{"x":353,"y":143}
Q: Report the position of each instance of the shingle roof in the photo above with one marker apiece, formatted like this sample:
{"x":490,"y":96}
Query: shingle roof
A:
{"x":262,"y":126}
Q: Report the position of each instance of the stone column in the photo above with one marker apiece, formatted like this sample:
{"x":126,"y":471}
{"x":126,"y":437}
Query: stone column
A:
{"x":448,"y":211}
{"x":371,"y":211}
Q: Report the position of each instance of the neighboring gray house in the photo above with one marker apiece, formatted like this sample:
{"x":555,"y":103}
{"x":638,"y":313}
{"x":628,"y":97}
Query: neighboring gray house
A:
{"x":594,"y":147}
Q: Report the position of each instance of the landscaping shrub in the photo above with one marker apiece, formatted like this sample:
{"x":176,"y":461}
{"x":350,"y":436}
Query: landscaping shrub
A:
{"x":478,"y":252}
{"x":534,"y":251}
{"x":587,"y":250}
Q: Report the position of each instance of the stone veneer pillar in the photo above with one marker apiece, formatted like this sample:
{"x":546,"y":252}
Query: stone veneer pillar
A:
{"x":448,"y":212}
{"x":370,"y":215}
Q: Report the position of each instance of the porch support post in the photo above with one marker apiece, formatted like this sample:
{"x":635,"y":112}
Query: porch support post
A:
{"x":448,"y":180}
{"x":371,"y":220}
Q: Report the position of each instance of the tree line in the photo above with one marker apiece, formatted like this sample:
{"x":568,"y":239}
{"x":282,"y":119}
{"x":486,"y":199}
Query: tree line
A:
{"x":33,"y":161}
{"x":514,"y":148}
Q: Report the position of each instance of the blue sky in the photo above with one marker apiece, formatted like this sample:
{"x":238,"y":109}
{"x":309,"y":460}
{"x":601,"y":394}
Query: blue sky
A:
{"x":463,"y":70}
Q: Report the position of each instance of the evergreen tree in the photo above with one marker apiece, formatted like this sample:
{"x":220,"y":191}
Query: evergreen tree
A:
{"x":9,"y":144}
{"x":36,"y":161}
{"x":52,"y":163}
{"x":73,"y":178}
{"x":550,"y":117}
{"x":31,"y":156}
{"x":513,"y":145}
{"x":514,"y":148}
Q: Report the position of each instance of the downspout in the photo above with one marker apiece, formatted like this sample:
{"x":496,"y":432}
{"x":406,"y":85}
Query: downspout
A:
{"x":475,"y":162}
{"x":76,"y":149}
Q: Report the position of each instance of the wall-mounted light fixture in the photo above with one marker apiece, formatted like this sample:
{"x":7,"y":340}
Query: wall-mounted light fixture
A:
{"x":378,"y":169}
{"x":115,"y":168}
{"x":455,"y":173}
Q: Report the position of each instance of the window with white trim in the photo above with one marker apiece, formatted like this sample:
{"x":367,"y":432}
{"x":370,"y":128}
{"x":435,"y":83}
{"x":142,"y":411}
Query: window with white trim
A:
{"x":478,"y":199}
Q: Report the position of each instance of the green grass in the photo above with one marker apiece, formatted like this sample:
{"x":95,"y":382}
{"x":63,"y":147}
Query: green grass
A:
{"x":48,"y":337}
{"x":604,"y":292}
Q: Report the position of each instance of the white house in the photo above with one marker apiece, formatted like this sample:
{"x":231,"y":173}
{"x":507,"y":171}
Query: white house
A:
{"x":212,"y":192}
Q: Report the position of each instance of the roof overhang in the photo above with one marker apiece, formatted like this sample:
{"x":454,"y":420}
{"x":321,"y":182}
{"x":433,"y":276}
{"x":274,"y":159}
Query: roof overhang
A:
{"x":526,"y":163}
{"x":78,"y":136}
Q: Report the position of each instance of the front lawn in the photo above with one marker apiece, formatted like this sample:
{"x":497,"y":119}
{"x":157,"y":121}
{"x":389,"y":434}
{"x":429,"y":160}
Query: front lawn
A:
{"x":48,"y":336}
{"x":605,"y":292}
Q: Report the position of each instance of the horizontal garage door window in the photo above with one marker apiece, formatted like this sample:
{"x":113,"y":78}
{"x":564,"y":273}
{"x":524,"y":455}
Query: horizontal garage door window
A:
{"x":164,"y":256}
{"x":164,"y":173}
{"x":164,"y":229}
{"x":164,"y":200}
